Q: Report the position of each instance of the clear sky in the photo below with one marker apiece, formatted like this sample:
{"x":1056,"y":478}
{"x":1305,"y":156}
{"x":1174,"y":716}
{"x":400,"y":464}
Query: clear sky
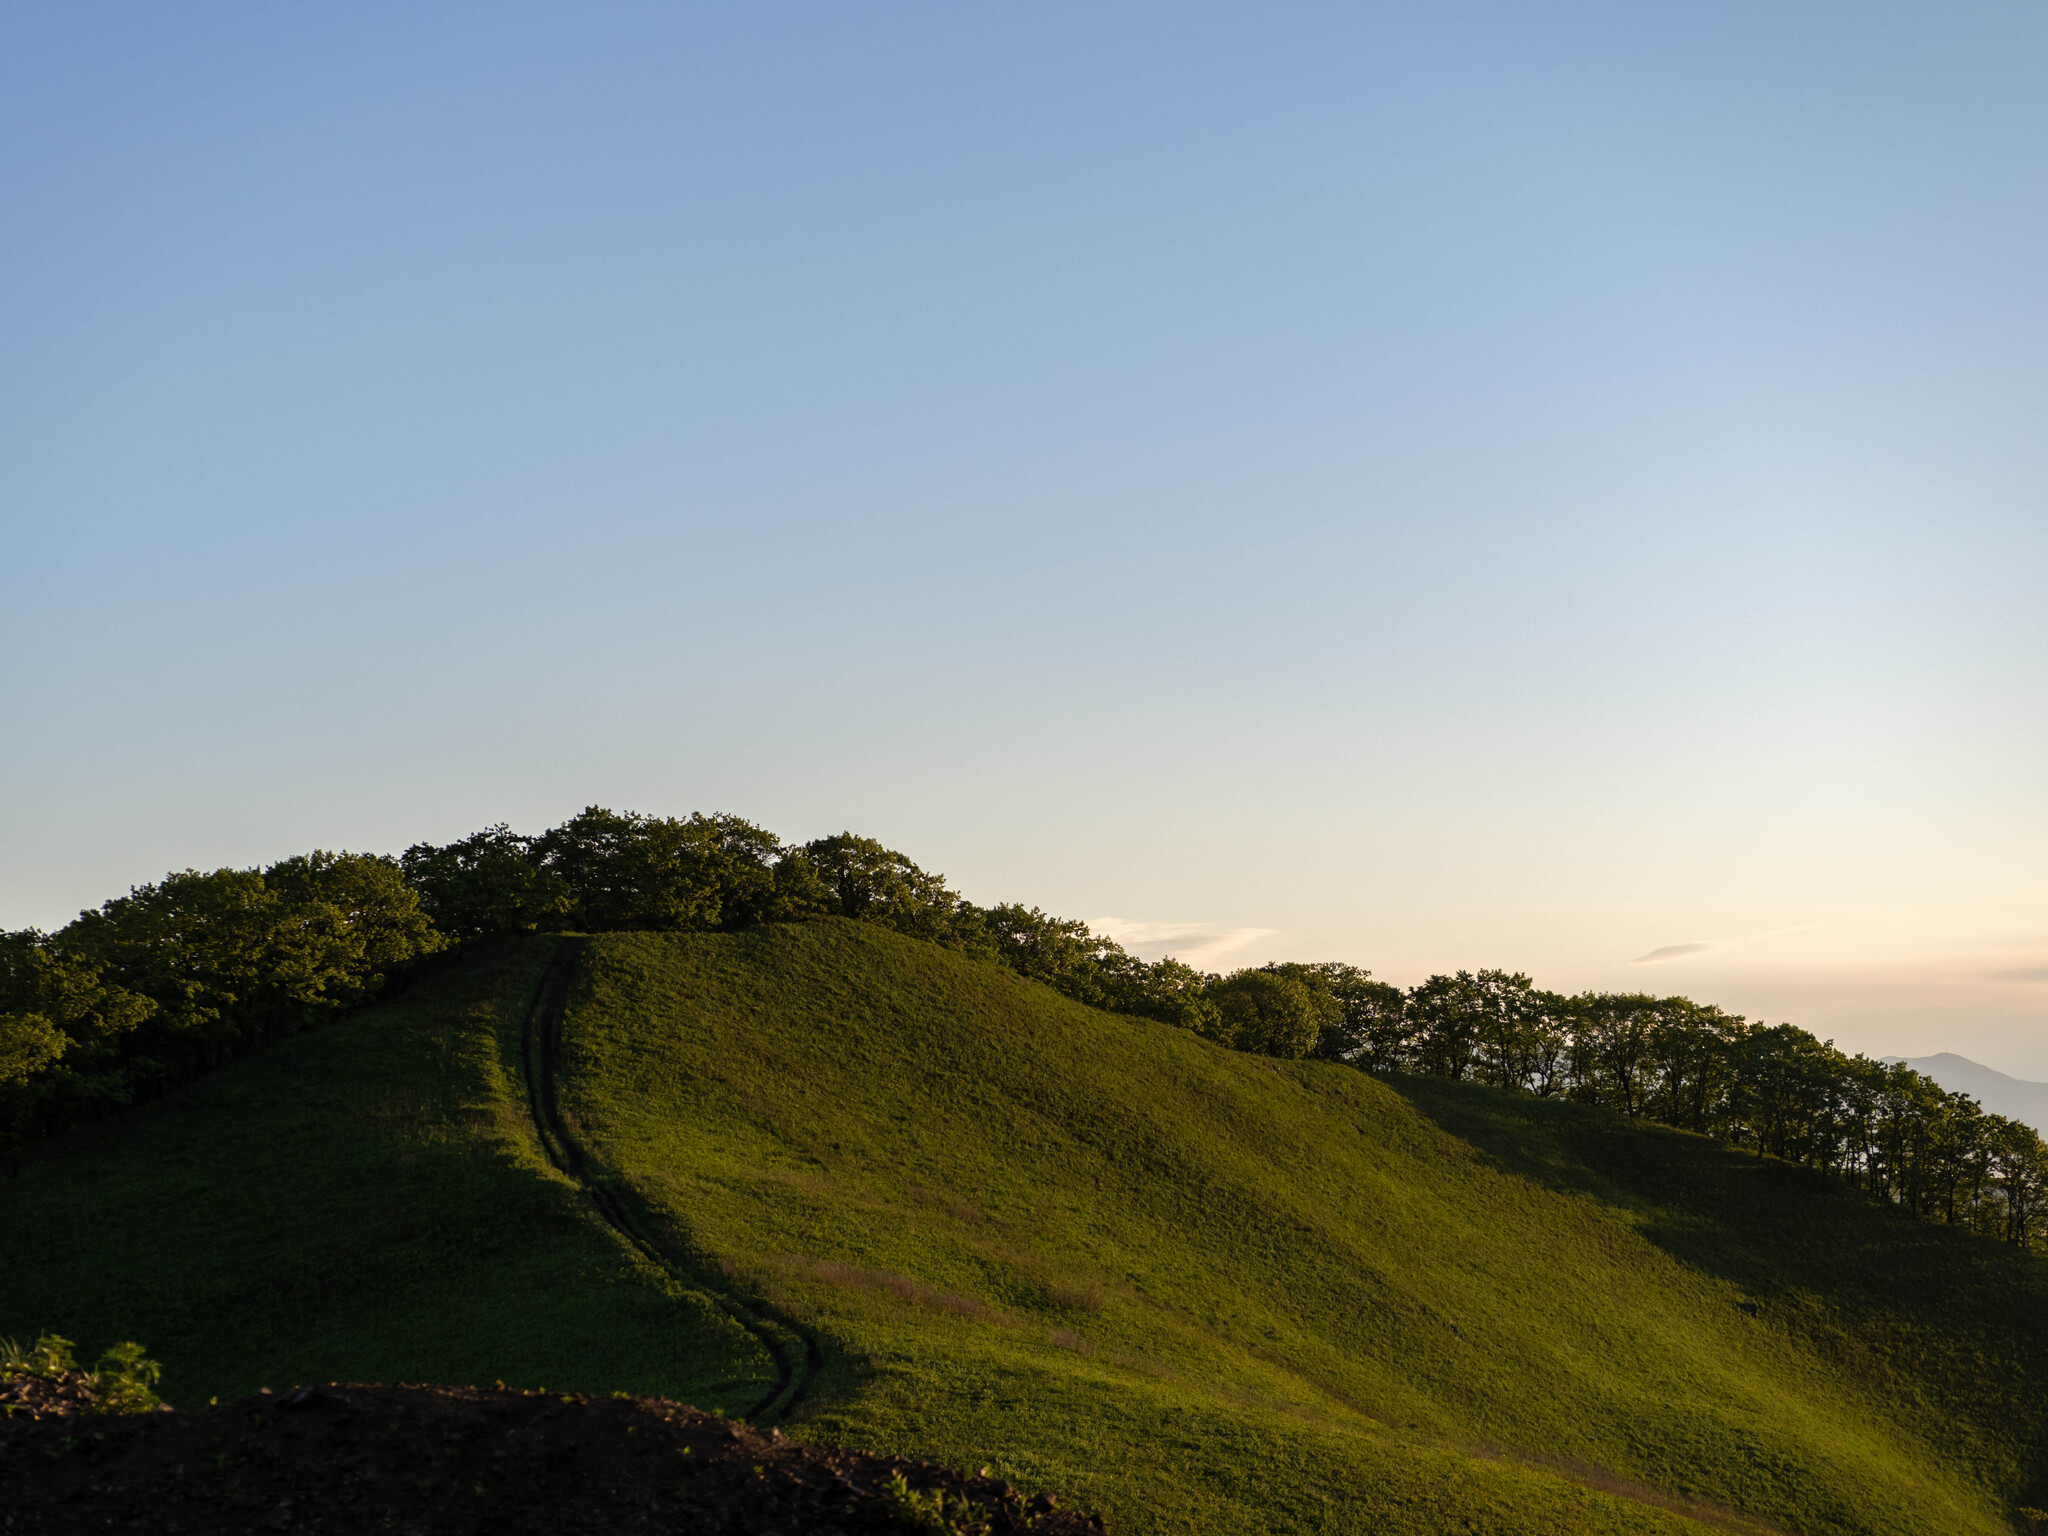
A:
{"x":1432,"y":486}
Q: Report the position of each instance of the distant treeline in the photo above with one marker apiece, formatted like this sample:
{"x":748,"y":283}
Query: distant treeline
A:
{"x":175,"y":978}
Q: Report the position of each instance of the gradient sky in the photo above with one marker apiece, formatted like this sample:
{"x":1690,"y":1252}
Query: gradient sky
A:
{"x":1431,"y":486}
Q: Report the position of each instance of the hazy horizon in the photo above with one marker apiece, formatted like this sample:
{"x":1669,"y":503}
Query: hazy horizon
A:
{"x":1432,"y":489}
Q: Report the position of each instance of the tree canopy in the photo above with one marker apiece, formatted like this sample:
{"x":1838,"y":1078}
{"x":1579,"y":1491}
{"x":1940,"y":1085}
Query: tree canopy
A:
{"x":152,"y":988}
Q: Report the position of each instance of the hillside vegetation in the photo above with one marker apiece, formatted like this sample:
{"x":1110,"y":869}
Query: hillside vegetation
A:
{"x":1195,"y":1288}
{"x":158,"y":987}
{"x":365,"y":1202}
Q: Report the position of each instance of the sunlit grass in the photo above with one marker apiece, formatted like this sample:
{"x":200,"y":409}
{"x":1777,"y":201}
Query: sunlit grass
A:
{"x":1198,"y":1290}
{"x":1202,"y":1287}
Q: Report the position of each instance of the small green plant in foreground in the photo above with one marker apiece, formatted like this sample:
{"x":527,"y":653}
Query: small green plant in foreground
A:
{"x":933,"y":1514}
{"x":127,"y":1379}
{"x":46,"y":1360}
{"x":123,"y":1380}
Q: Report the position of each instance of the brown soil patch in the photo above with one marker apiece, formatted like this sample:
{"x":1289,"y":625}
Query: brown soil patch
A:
{"x":418,"y":1460}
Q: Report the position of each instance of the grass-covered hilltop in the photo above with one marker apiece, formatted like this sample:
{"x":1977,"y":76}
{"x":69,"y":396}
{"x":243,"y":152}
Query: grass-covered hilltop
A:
{"x":663,"y":1107}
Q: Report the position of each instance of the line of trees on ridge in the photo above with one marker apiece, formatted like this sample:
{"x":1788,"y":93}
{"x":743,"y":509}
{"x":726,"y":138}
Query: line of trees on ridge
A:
{"x":153,"y":988}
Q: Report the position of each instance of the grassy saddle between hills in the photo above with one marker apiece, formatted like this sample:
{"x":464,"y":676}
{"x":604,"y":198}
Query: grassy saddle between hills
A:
{"x":1193,"y":1289}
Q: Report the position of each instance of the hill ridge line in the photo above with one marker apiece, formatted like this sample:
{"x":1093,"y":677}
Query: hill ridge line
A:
{"x":539,"y":1051}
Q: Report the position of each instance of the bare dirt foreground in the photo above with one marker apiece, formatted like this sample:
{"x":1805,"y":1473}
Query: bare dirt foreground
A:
{"x":462,"y":1460}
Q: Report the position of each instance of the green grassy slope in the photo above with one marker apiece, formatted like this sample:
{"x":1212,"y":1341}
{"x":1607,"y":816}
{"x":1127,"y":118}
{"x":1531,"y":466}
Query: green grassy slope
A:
{"x":366,"y":1203}
{"x":1215,"y":1291}
{"x":1198,"y":1290}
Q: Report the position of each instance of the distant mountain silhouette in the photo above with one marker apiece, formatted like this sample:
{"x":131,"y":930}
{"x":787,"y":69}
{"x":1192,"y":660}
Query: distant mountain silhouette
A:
{"x":2013,"y":1097}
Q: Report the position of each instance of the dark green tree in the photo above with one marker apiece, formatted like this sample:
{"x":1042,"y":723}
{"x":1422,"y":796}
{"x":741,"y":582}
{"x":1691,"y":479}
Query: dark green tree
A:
{"x":1617,"y":1029}
{"x":1464,"y":1022}
{"x":487,"y":884}
{"x":1363,"y":1020}
{"x":631,"y":871}
{"x":1690,"y":1062}
{"x":1549,"y":1022}
{"x":1061,"y":952}
{"x":236,"y":957}
{"x":53,"y":1004}
{"x":1171,"y":991}
{"x":183,"y":975}
{"x":1508,"y":1013}
{"x":1271,"y":1014}
{"x":868,"y":882}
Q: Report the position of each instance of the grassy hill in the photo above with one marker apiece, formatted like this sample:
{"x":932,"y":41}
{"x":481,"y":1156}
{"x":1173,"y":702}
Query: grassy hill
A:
{"x":366,"y":1202}
{"x":1199,"y":1290}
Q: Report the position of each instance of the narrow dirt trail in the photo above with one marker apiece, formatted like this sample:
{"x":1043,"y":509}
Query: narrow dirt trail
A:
{"x":793,"y":1349}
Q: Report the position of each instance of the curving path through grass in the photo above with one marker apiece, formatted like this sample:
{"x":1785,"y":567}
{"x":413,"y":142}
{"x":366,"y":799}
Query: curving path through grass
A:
{"x":540,"y":1049}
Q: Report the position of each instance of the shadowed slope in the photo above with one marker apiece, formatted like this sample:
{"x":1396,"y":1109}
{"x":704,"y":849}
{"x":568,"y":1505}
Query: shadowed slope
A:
{"x":366,"y":1202}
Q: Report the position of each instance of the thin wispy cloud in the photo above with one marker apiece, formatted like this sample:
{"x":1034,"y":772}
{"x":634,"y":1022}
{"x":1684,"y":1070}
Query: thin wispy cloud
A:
{"x":1704,"y":946}
{"x":1203,"y":945}
{"x":1674,"y":951}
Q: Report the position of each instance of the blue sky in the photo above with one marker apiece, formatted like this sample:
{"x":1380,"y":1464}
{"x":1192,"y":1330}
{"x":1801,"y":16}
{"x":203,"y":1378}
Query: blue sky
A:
{"x":1429,"y":486}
